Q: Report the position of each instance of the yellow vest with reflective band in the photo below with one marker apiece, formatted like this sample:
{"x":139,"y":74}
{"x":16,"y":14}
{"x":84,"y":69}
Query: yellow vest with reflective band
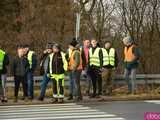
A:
{"x":108,"y":58}
{"x":57,"y":77}
{"x":29,"y":57}
{"x":94,"y":57}
{"x":65,"y":64}
{"x":2,"y":54}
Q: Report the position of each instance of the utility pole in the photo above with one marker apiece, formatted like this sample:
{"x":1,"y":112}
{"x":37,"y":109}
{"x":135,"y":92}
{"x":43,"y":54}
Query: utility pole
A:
{"x":78,"y":21}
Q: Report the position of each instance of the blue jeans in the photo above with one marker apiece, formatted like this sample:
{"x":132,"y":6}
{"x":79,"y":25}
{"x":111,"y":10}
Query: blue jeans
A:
{"x":75,"y":89}
{"x":4,"y":82}
{"x":88,"y":82}
{"x":44,"y":84}
{"x":130,"y":77}
{"x":30,"y":82}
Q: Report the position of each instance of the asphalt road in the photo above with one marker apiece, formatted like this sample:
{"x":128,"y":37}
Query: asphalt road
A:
{"x":118,"y":110}
{"x":129,"y":110}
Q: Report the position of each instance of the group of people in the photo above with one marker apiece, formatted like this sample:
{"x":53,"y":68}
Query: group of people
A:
{"x":22,"y":67}
{"x":97,"y":65}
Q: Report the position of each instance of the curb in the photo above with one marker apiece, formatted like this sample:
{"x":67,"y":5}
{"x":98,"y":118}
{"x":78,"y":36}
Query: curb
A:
{"x":86,"y":100}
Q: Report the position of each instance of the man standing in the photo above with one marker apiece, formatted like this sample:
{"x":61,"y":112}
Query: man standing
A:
{"x":95,"y":64}
{"x":4,"y":62}
{"x":131,"y":61}
{"x":20,"y":67}
{"x":44,"y":70}
{"x":32,"y":66}
{"x":110,"y":62}
{"x":75,"y":69}
{"x":85,"y":57}
{"x":57,"y":68}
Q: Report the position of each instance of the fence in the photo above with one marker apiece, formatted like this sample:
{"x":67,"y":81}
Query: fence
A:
{"x":140,"y":79}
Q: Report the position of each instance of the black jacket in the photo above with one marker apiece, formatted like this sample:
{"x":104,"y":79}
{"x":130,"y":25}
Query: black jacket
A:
{"x":84,"y":61}
{"x":57,"y":64}
{"x":20,"y":66}
{"x":44,"y":59}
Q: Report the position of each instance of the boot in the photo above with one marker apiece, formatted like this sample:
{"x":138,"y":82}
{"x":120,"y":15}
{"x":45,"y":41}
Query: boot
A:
{"x":92,"y":96}
{"x":15,"y":99}
{"x":40,"y":98}
{"x":4,"y":100}
{"x":70,"y":97}
{"x":54,"y":100}
{"x":60,"y":100}
{"x":78,"y":99}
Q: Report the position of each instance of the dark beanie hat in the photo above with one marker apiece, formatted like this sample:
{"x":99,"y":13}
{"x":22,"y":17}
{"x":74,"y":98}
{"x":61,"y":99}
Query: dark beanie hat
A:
{"x":49,"y":46}
{"x":74,"y":42}
{"x":26,"y":46}
{"x":57,"y":46}
{"x":20,"y":46}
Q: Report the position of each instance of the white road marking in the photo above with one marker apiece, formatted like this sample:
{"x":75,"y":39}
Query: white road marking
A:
{"x":46,"y":109}
{"x":63,"y":117}
{"x":153,"y":101}
{"x":38,"y":105}
{"x":103,"y":119}
{"x":54,"y":112}
{"x":45,"y":112}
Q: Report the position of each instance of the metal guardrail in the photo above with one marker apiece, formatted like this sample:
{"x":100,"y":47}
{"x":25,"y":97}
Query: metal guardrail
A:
{"x":140,"y":79}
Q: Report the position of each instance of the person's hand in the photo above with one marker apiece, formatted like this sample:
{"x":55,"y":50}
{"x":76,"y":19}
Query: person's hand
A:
{"x":102,"y":69}
{"x":45,"y":51}
{"x":48,"y":75}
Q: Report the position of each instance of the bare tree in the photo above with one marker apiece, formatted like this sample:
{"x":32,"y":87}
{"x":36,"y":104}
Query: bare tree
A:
{"x":96,"y":15}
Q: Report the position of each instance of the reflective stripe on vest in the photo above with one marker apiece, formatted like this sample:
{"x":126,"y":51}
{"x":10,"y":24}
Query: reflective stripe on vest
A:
{"x":65,"y":64}
{"x":94,"y":58}
{"x":128,"y":52}
{"x":69,"y":52}
{"x":29,"y":57}
{"x":108,"y":59}
{"x":72,"y":61}
{"x":57,"y":77}
{"x":2,"y":54}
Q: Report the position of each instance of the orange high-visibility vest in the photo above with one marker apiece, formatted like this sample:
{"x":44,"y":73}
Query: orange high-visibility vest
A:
{"x":72,"y":61}
{"x":128,"y":52}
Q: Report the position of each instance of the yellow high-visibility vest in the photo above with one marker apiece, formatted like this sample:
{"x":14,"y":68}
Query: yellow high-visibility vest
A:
{"x":108,"y":58}
{"x":94,"y":57}
{"x":2,"y":54}
{"x":29,"y":57}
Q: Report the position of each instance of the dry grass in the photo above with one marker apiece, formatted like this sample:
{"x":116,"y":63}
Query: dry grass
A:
{"x":118,"y":91}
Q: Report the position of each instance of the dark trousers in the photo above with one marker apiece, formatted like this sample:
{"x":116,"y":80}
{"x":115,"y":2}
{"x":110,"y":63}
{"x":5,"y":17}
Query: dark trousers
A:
{"x":18,"y":80}
{"x":58,"y":88}
{"x":96,"y":80}
{"x":1,"y":88}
